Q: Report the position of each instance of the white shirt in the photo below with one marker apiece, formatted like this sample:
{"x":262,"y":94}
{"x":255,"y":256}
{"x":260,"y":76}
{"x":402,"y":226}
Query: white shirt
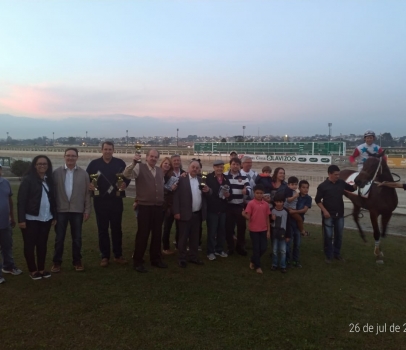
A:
{"x":175,"y":173}
{"x":196,"y":194}
{"x":45,"y":207}
{"x":69,"y":181}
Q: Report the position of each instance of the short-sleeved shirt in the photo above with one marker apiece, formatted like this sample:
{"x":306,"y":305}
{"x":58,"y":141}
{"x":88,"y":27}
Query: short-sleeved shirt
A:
{"x":107,"y":181}
{"x":5,"y":194}
{"x":259,"y":215}
{"x":304,"y":201}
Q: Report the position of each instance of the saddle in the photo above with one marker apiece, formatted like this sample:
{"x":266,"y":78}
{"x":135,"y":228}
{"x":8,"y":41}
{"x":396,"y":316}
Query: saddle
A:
{"x":363,"y":192}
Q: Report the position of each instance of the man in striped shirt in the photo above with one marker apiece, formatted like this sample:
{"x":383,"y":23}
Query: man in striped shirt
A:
{"x":240,"y":187}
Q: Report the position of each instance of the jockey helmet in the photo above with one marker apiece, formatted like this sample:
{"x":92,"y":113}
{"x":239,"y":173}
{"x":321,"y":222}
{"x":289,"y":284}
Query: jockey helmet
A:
{"x":369,"y":133}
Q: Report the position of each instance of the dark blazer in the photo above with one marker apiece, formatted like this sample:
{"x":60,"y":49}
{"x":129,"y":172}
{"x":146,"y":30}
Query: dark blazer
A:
{"x":30,"y":194}
{"x":182,"y":200}
{"x":214,"y":203}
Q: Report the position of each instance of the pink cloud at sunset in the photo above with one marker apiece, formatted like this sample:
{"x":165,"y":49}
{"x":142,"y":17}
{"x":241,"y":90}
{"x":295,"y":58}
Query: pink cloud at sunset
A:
{"x":32,"y":101}
{"x":58,"y":102}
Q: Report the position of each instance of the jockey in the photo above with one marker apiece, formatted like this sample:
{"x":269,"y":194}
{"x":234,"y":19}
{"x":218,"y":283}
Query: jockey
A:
{"x":360,"y":154}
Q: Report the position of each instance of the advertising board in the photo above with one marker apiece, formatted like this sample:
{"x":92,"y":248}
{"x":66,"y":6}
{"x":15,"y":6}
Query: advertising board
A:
{"x":397,"y":162}
{"x":303,"y":159}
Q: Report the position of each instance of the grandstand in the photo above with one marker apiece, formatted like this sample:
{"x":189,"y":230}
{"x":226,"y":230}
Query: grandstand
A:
{"x":296,"y":148}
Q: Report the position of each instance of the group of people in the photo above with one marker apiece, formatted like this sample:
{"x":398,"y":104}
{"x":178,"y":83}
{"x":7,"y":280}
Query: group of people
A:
{"x":225,"y":198}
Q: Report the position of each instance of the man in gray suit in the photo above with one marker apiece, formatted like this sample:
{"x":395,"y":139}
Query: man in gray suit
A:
{"x":73,"y":207}
{"x":189,"y":207}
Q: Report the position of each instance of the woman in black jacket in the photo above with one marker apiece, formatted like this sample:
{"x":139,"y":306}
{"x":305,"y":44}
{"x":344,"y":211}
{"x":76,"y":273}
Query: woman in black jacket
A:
{"x":36,"y":213}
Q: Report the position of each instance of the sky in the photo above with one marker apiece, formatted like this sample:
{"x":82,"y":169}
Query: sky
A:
{"x":206,"y":67}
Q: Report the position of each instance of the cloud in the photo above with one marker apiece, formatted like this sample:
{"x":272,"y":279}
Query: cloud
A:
{"x":178,"y":103}
{"x":61,"y":101}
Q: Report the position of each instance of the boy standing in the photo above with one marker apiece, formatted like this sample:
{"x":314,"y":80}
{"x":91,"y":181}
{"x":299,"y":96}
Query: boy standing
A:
{"x":291,"y":203}
{"x":257,"y":212}
{"x":304,"y":203}
{"x":280,"y":232}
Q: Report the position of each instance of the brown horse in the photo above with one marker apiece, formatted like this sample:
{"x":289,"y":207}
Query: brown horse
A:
{"x":381,"y":201}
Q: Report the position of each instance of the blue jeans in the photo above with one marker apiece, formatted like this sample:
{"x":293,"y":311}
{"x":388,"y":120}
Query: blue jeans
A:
{"x":75,"y":220}
{"x":6,"y":247}
{"x":259,"y":245}
{"x":333,"y":246}
{"x":216,"y":232}
{"x":279,"y":246}
{"x":293,"y":255}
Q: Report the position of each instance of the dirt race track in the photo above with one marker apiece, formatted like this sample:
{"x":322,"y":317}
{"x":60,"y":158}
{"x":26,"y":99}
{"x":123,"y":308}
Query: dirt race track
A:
{"x":315,"y":174}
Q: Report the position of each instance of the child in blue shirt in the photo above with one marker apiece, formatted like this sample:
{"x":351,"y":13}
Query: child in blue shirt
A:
{"x":304,"y":203}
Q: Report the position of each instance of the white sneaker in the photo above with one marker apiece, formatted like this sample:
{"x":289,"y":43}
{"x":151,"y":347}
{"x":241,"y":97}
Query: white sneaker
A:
{"x":222,"y":254}
{"x":14,"y":271}
{"x":211,"y":257}
{"x":2,"y":280}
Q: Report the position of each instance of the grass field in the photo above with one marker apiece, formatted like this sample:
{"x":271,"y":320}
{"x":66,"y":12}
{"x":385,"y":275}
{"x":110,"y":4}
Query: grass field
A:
{"x":221,"y":305}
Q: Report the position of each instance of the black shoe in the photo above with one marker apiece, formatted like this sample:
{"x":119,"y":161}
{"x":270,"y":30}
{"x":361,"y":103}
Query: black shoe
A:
{"x":160,"y":265}
{"x":182,"y":264}
{"x":140,"y":268}
{"x":45,"y":274}
{"x":283,"y":270}
{"x":230,"y":252}
{"x":196,"y":262}
{"x":36,"y":276}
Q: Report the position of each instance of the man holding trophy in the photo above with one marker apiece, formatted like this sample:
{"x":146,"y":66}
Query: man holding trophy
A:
{"x":108,"y":186}
{"x":149,"y":181}
{"x":219,"y":195}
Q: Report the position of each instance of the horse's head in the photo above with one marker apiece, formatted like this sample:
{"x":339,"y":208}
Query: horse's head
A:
{"x":368,"y":172}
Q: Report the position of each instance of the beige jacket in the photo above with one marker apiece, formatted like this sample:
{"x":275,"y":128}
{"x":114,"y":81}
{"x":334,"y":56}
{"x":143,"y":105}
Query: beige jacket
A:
{"x":80,"y":198}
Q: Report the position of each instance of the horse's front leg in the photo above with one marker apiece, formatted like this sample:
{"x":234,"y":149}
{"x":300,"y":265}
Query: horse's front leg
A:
{"x":374,"y":221}
{"x":355,"y":214}
{"x":385,"y":218}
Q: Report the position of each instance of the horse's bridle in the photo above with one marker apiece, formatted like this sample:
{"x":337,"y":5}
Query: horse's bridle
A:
{"x":377,"y":169}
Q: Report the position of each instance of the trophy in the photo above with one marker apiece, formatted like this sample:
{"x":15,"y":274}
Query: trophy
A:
{"x":203,"y":183}
{"x":138,"y":150}
{"x":225,"y":189}
{"x":94,"y":178}
{"x":120,"y":192}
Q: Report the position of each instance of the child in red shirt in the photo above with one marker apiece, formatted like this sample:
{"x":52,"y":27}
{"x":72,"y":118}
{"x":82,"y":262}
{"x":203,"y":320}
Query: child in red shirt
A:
{"x":257,"y":212}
